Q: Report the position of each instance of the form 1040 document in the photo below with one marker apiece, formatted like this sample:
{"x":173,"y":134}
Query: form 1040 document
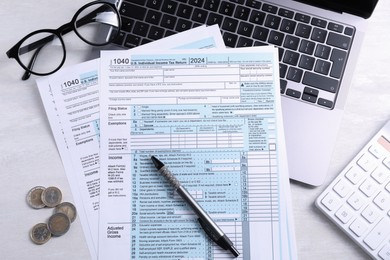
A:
{"x":214,"y":118}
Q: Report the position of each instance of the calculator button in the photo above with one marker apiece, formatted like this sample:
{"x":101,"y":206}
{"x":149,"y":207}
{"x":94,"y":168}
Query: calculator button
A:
{"x":367,"y":162}
{"x":358,"y":227}
{"x":369,"y":187}
{"x":378,"y":234}
{"x":380,"y":174}
{"x":382,"y":200}
{"x":356,"y":200}
{"x":344,"y":214}
{"x":342,"y":188}
{"x":354,"y":175}
{"x":384,"y":253}
{"x":370,"y":213}
{"x":377,"y":151}
{"x":386,"y":162}
{"x":330,"y":201}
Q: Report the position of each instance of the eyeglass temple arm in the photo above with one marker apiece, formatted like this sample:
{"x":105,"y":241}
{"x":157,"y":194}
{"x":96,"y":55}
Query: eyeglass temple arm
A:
{"x":27,"y":73}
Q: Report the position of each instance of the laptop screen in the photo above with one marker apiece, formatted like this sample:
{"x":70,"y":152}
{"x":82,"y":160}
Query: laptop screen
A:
{"x":363,"y":8}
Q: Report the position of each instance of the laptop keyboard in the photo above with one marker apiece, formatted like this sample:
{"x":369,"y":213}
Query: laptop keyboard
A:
{"x":312,"y":50}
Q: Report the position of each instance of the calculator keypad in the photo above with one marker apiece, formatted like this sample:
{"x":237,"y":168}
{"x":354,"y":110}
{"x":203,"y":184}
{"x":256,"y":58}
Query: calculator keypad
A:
{"x":358,"y":200}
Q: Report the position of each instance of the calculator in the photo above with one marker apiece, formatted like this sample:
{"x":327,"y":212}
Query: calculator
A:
{"x":358,"y":199}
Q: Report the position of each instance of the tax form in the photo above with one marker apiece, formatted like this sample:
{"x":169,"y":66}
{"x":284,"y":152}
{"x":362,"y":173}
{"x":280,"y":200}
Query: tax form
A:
{"x":214,"y":118}
{"x":71,"y":101}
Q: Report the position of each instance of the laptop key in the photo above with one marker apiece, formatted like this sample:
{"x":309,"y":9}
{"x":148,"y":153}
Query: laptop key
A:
{"x":244,"y":42}
{"x":338,"y":40}
{"x":253,"y":3}
{"x":283,"y":86}
{"x":286,"y":13}
{"x":245,"y":29}
{"x":257,"y":17}
{"x":307,"y":47}
{"x":320,"y":82}
{"x":276,"y":38}
{"x":183,"y":25}
{"x":197,"y":3}
{"x":322,"y":51}
{"x":338,"y":58}
{"x":199,"y":15}
{"x":230,"y":24}
{"x":335,"y":27}
{"x":291,"y":57}
{"x":293,"y":93}
{"x":215,"y":19}
{"x":319,"y":35}
{"x":311,"y":91}
{"x":227,"y":8}
{"x":303,"y":30}
{"x":318,"y":22}
{"x":325,"y":103}
{"x":288,"y":26}
{"x":269,"y":8}
{"x":309,"y":98}
{"x":132,"y":11}
{"x":282,"y":70}
{"x":322,"y":67}
{"x":153,"y":17}
{"x":306,"y":62}
{"x":242,"y":12}
{"x":230,"y":39}
{"x":302,"y":17}
{"x":168,"y":21}
{"x":211,"y":5}
{"x":141,"y":29}
{"x":260,"y":33}
{"x":169,"y":7}
{"x":294,"y":74}
{"x":154,"y":4}
{"x":184,"y":11}
{"x":291,"y":42}
{"x":272,"y":21}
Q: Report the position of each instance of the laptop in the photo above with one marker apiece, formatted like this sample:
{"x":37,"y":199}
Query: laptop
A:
{"x":318,"y":41}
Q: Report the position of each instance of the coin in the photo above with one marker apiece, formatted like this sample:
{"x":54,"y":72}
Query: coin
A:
{"x":67,"y":208}
{"x":40,"y":234}
{"x":58,"y":224}
{"x":34,"y":198}
{"x":51,"y":196}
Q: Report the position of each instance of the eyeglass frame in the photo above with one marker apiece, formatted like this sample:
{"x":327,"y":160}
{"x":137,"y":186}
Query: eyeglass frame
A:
{"x":59,"y":32}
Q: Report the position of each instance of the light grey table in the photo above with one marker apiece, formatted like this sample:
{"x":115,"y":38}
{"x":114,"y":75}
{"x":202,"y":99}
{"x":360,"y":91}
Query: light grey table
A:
{"x":29,"y":157}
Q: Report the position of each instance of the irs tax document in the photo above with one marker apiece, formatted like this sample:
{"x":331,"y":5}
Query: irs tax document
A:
{"x":214,"y":118}
{"x":71,"y":101}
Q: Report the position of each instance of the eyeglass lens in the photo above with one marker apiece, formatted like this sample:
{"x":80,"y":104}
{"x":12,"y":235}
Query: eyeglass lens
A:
{"x":43,"y":52}
{"x":95,"y":19}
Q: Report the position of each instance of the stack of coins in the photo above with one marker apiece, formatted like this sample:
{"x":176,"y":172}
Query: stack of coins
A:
{"x":59,"y":223}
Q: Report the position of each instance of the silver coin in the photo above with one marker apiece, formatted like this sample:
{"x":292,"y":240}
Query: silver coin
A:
{"x":34,"y":197}
{"x":51,"y":196}
{"x":40,"y":234}
{"x":58,"y":224}
{"x":67,"y":208}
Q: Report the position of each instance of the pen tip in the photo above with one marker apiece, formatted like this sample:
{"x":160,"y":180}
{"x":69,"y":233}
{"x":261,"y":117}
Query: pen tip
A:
{"x":234,"y":251}
{"x":157,"y":162}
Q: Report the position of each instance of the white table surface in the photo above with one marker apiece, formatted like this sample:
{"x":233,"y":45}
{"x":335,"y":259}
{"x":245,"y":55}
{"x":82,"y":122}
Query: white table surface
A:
{"x":29,"y":157}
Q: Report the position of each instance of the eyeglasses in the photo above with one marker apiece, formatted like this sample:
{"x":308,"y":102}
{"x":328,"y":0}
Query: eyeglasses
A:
{"x":43,"y":52}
